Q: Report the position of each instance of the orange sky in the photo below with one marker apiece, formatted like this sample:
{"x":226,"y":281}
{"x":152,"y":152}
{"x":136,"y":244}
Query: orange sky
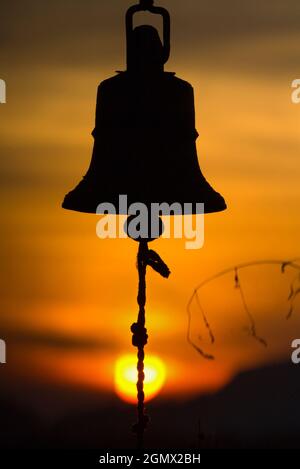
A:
{"x":67,"y":298}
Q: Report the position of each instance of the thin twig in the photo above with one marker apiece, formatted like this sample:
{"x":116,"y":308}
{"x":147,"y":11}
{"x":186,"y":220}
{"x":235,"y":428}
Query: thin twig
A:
{"x":207,"y":325}
{"x":293,"y":294}
{"x":251,"y":319}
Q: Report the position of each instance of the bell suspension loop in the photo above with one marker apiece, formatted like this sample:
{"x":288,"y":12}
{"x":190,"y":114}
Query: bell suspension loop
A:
{"x":148,"y":5}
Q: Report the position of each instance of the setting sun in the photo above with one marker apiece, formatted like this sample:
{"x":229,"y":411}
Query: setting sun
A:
{"x":126,"y":377}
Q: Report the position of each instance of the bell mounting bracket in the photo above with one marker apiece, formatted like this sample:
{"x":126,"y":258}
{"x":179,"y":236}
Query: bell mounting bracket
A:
{"x":148,"y":5}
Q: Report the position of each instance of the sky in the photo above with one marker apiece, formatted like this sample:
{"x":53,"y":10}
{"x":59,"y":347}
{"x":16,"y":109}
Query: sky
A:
{"x":68,"y":298}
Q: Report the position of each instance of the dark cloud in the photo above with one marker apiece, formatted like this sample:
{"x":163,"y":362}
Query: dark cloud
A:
{"x":80,"y":33}
{"x":55,"y":340}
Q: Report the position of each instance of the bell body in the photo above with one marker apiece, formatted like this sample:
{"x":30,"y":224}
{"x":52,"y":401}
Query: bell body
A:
{"x":144,"y":147}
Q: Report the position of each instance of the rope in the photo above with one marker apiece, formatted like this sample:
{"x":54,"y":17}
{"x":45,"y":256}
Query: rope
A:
{"x":140,"y":337}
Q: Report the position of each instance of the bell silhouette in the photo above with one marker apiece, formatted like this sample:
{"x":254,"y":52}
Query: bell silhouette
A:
{"x":145,"y":136}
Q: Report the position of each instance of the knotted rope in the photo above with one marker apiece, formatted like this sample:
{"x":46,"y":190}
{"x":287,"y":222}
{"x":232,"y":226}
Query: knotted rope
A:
{"x":140,"y":337}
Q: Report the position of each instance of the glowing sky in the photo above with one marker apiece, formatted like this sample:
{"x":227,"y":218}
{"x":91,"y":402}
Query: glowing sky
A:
{"x":67,"y":298}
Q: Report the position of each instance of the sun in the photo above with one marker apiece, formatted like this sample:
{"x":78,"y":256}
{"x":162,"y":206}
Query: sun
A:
{"x":126,"y":377}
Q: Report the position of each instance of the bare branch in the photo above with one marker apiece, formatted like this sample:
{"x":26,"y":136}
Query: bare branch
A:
{"x":284,"y":264}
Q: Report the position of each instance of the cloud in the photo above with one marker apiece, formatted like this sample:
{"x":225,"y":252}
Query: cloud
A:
{"x":76,"y":33}
{"x":55,"y":340}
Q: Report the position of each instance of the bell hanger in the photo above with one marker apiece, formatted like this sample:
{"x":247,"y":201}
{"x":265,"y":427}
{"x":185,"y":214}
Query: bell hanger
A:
{"x":148,"y":5}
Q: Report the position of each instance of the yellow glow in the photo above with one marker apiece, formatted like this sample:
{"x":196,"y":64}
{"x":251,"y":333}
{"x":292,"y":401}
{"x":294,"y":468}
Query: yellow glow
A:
{"x":126,"y":377}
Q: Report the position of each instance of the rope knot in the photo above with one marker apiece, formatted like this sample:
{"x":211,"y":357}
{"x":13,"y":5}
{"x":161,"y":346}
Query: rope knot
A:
{"x":140,"y":336}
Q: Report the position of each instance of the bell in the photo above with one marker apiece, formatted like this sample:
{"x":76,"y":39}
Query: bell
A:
{"x":144,"y":135}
